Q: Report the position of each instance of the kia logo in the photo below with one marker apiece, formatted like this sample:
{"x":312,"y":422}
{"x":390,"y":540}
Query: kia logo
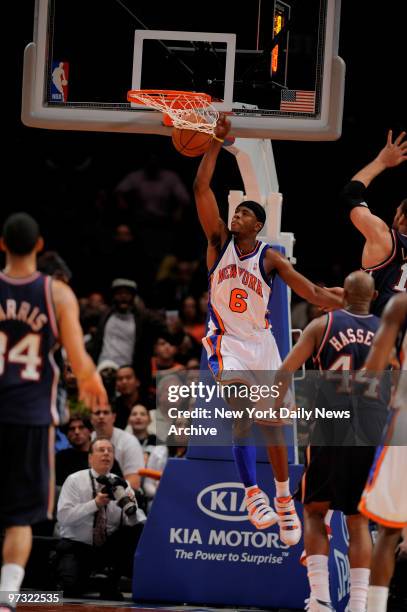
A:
{"x":225,"y":501}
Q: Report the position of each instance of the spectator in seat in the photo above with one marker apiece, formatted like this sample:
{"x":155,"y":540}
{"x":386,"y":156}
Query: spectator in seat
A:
{"x":163,"y":360}
{"x":193,"y":323}
{"x":96,"y":531}
{"x":176,"y":447}
{"x":128,"y":388}
{"x":70,"y":460}
{"x":75,"y":458}
{"x":139,"y":423}
{"x":126,"y":334}
{"x":128,"y":452}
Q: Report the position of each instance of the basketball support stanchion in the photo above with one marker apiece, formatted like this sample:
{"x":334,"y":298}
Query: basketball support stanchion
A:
{"x":198,"y":546}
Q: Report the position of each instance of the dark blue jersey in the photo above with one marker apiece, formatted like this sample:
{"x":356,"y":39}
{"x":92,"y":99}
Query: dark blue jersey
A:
{"x":346,"y":341}
{"x":390,"y":275}
{"x":28,"y":339}
{"x":344,"y":347}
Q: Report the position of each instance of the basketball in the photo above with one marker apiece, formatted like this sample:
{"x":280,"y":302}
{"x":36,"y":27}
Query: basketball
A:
{"x":190,"y":142}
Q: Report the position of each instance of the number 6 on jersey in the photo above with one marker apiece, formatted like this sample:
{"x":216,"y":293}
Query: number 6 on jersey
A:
{"x":237,"y":301}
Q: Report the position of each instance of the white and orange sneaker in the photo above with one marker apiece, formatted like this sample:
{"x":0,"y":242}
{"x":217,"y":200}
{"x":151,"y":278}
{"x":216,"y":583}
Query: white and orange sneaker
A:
{"x":289,"y":523}
{"x":261,"y":515}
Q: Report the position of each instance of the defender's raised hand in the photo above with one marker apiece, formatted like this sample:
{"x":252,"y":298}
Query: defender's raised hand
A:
{"x":393,"y":153}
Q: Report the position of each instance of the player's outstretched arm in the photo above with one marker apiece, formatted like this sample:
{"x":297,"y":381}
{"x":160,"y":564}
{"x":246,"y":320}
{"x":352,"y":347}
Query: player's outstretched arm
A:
{"x":306,"y":345}
{"x":383,"y":343}
{"x":374,"y":229}
{"x":393,"y":154}
{"x":207,"y":207}
{"x":303,"y":350}
{"x":91,"y":389}
{"x":320,"y":296}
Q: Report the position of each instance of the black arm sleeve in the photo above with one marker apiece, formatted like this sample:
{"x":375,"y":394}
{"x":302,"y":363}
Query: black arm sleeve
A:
{"x":353,"y":194}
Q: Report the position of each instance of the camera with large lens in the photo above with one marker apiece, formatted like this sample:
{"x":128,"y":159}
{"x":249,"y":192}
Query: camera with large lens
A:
{"x":115,"y":488}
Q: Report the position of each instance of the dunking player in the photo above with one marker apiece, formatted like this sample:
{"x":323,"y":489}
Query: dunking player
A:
{"x":335,"y":475}
{"x":35,"y":314}
{"x":241,"y":269}
{"x":385,"y":497}
{"x":385,"y":251}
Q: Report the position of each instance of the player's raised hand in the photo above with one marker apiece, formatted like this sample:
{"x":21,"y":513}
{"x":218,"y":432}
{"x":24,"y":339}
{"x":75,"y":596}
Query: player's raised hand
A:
{"x":92,"y":392}
{"x":222,"y":127}
{"x":393,"y":153}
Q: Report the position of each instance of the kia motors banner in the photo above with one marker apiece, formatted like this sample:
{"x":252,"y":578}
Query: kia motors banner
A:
{"x":198,"y":546}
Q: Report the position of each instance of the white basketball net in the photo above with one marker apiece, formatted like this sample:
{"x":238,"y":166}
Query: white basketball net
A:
{"x":187,"y":111}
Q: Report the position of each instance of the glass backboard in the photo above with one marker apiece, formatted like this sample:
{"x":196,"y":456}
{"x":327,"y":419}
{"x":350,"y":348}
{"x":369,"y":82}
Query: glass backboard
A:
{"x":272,"y":63}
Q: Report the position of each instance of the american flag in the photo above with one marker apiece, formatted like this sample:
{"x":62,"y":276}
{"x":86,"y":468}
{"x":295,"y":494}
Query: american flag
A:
{"x":297,"y":100}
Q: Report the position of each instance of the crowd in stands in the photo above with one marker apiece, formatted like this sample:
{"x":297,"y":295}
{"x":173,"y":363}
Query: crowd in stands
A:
{"x":132,"y":346}
{"x":140,"y":277}
{"x":143,"y":316}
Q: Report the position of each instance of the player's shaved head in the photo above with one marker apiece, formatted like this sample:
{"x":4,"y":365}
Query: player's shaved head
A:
{"x":359,"y":287}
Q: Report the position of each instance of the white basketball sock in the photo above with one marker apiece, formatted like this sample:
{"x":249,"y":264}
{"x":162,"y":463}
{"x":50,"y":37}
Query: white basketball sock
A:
{"x":11,"y":577}
{"x":359,"y":585}
{"x":377,"y":598}
{"x":318,"y":577}
{"x":282,"y":488}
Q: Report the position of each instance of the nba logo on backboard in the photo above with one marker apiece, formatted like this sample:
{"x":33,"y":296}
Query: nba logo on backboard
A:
{"x":59,"y":81}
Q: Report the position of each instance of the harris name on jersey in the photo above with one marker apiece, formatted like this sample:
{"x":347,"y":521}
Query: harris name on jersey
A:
{"x":25,"y":312}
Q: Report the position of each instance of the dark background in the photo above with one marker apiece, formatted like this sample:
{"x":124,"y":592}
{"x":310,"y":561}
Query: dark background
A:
{"x":372,"y":43}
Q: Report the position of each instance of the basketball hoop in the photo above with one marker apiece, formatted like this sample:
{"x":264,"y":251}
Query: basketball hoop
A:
{"x":185,"y":110}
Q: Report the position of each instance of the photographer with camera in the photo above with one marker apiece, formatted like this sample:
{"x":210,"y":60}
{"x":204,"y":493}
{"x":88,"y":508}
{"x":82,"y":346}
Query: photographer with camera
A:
{"x":99,"y":523}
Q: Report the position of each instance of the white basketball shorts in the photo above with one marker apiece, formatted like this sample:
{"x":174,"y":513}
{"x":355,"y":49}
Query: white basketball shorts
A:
{"x":228,"y":354}
{"x":252,"y":362}
{"x":384,"y":499}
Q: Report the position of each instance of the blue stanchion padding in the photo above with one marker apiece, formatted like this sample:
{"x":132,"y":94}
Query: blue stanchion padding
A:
{"x":224,"y":453}
{"x":280,"y":312}
{"x":198,"y":547}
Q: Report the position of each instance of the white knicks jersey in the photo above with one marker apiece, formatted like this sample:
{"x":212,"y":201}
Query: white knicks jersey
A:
{"x":239,"y":291}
